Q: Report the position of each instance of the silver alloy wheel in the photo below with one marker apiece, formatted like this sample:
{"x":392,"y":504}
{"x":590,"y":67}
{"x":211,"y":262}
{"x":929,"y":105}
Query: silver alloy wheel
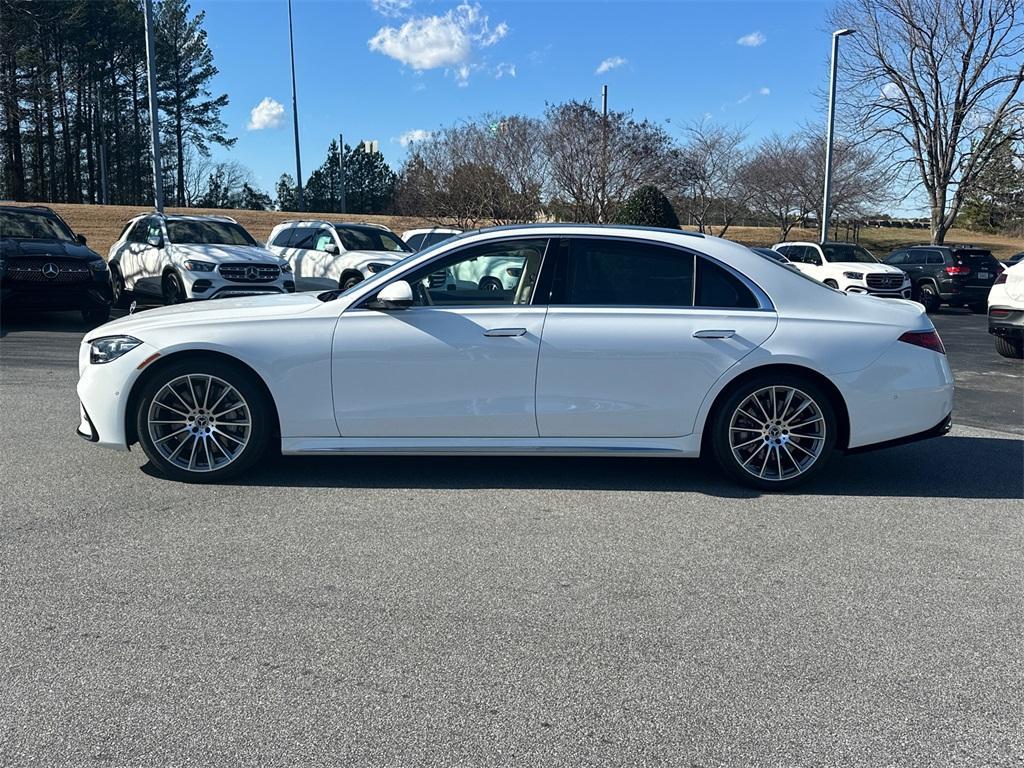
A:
{"x":777,"y":433}
{"x":199,"y":422}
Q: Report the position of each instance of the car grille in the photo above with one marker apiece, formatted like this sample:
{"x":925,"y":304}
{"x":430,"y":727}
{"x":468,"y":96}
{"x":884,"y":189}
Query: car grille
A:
{"x":883,"y":282}
{"x":250,"y":273}
{"x":63,"y":271}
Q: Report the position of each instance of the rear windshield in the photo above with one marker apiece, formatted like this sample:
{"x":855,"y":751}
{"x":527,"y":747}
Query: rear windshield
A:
{"x":848,"y":252}
{"x":31,"y":225}
{"x":184,"y":231}
{"x":369,"y":239}
{"x":977,"y":258}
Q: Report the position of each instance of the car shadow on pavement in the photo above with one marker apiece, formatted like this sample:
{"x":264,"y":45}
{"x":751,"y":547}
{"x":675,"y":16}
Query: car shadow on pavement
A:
{"x":951,"y":467}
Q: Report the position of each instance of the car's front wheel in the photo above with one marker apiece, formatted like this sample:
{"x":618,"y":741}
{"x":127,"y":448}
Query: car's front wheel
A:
{"x":203,"y":420}
{"x":118,"y":290}
{"x":172,"y":289}
{"x":774,"y":432}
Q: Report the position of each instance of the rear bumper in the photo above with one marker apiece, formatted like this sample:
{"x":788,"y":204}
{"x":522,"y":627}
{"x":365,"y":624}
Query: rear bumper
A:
{"x":1009,"y":326}
{"x":938,"y":430}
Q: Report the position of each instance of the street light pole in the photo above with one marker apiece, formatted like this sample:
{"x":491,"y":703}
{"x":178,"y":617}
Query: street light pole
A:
{"x":154,"y":120}
{"x":826,"y":203}
{"x":295,"y":114}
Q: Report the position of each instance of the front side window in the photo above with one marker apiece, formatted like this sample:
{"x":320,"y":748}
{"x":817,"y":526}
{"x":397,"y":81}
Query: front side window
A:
{"x":804,"y":254}
{"x":323,"y":239}
{"x":492,"y":274}
{"x":898,"y":257}
{"x":356,"y":238}
{"x":32,"y":225}
{"x":192,"y":231}
{"x":414,"y":241}
{"x":916,"y":258}
{"x":139,"y":231}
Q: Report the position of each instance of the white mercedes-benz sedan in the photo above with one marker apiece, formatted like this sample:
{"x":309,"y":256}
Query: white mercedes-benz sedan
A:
{"x":612,"y":340}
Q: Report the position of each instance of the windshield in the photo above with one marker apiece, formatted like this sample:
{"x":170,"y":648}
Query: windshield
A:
{"x":30,"y":225}
{"x":185,"y":231}
{"x":848,"y":252}
{"x":370,"y":239}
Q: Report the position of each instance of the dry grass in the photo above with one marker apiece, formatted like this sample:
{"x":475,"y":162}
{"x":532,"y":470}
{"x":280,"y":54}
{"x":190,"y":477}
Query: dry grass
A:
{"x":102,"y":224}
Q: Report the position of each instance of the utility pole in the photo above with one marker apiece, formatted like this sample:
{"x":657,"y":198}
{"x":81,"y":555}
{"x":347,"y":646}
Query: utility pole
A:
{"x":341,"y":169}
{"x":826,"y":203}
{"x":604,"y":155}
{"x":154,"y":120}
{"x":295,"y":114}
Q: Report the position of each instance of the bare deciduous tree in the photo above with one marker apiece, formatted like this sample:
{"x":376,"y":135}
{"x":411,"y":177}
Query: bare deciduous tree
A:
{"x":937,"y":83}
{"x":774,"y":177}
{"x":717,"y":160}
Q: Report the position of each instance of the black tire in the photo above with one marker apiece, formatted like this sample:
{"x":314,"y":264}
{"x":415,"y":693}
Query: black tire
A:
{"x":96,"y":316}
{"x":350,"y":281}
{"x":257,"y":407}
{"x":118,"y":291}
{"x":927,"y":296}
{"x":832,"y":284}
{"x":172,"y":289}
{"x":978,"y":308}
{"x":1011,"y":348}
{"x":490,"y":283}
{"x":722,"y":423}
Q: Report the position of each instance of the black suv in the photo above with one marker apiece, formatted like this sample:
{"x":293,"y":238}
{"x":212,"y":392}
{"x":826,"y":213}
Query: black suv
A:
{"x":44,"y":265}
{"x":957,"y":275}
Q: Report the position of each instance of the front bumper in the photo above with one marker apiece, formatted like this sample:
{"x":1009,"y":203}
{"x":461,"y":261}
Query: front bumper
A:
{"x":93,"y":295}
{"x":103,"y":392}
{"x":1006,"y":322}
{"x":903,"y":292}
{"x":211,"y":285}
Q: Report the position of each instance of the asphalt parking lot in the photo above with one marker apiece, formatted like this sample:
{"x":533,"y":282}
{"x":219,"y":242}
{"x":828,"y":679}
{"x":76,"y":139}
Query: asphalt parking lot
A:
{"x":432,"y":611}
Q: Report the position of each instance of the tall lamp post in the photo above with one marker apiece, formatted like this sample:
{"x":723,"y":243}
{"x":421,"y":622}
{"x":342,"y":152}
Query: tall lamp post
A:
{"x":826,"y":204}
{"x":295,"y":114}
{"x":154,"y":117}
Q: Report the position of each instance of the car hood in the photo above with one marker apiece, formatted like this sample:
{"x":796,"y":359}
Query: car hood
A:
{"x":12,"y":248}
{"x":225,"y":254}
{"x":873,"y":269}
{"x":210,"y":311}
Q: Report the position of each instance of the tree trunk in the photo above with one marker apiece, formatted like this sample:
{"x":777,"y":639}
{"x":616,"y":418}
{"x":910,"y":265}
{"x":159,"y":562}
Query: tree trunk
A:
{"x":12,"y":126}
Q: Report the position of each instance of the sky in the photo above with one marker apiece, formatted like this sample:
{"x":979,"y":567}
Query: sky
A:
{"x":392,"y":70}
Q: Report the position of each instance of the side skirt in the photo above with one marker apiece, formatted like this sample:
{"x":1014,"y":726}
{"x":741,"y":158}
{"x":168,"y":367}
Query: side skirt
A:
{"x":682,"y":447}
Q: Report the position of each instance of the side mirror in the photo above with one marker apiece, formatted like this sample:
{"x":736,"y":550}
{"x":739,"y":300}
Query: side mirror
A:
{"x":397,"y":295}
{"x":80,"y":239}
{"x":155,"y":240}
{"x":332,"y":249}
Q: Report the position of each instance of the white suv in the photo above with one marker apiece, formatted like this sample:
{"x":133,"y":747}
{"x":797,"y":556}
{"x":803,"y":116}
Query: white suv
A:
{"x":326,"y":256}
{"x":182,"y":258}
{"x":847,"y":267}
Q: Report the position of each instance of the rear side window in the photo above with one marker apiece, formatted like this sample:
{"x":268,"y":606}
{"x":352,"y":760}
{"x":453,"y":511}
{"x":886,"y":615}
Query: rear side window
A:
{"x":283,"y":237}
{"x":917,"y":258}
{"x":624,"y":274}
{"x":304,"y":237}
{"x":935,"y":257}
{"x":415,"y":241}
{"x":719,"y":288}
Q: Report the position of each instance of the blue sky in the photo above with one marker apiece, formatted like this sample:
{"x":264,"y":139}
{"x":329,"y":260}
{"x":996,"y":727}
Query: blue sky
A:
{"x":380,"y":69}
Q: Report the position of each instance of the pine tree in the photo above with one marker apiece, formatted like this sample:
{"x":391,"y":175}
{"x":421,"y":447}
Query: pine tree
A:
{"x":648,"y":207}
{"x":287,"y":194}
{"x":184,"y":71}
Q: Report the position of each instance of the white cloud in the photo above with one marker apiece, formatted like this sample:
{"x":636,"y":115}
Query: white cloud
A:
{"x":764,"y":90}
{"x":411,"y":137}
{"x":752,"y":40}
{"x":267,"y":114}
{"x":890,"y":91}
{"x":430,"y":42}
{"x":391,"y":7}
{"x":612,"y":62}
{"x":504,"y":70}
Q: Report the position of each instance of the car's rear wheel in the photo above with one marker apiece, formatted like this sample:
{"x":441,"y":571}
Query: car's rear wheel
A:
{"x":774,"y":432}
{"x":490,"y":283}
{"x":832,"y":284}
{"x":172,"y":289}
{"x":1012,"y":348}
{"x":350,"y":281}
{"x":203,"y":421}
{"x":927,"y":296}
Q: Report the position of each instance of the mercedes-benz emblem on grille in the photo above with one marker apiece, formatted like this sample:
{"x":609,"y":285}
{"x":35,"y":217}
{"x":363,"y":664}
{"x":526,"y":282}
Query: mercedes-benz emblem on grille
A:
{"x":251,"y":273}
{"x":50,"y":270}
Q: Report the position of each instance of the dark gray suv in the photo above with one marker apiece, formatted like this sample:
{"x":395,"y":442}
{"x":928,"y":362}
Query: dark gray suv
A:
{"x":957,"y":275}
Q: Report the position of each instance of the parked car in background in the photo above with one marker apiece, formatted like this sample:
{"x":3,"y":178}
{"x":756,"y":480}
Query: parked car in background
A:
{"x":46,"y":266}
{"x":1015,"y":259}
{"x":1006,"y":312}
{"x":847,"y":267}
{"x":957,"y":275}
{"x":614,"y":340}
{"x":175,"y":258}
{"x":328,"y":256}
{"x":418,"y":239}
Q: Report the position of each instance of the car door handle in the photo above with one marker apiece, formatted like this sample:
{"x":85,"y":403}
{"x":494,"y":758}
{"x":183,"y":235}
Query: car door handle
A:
{"x":505,"y":332}
{"x":714,"y":334}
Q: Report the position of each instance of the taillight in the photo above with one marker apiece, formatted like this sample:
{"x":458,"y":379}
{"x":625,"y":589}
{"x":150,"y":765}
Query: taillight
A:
{"x":927,"y":339}
{"x":958,"y":270}
{"x":1000,"y":314}
{"x":1000,"y":278}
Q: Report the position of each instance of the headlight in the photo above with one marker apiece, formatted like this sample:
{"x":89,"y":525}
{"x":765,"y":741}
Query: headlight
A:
{"x":199,"y":266}
{"x":110,"y":348}
{"x":286,"y":268}
{"x":98,"y":266}
{"x":853,"y":275}
{"x":376,"y":266}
